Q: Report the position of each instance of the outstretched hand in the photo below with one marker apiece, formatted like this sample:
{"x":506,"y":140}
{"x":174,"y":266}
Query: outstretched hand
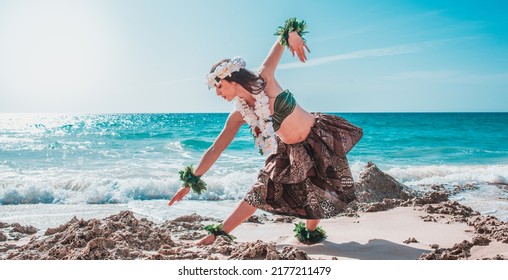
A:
{"x":179,"y":195}
{"x":297,"y":45}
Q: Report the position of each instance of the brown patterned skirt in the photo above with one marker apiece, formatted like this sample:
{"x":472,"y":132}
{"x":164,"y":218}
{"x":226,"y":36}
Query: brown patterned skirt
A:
{"x":310,"y":179}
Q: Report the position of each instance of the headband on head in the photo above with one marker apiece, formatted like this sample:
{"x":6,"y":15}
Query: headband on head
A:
{"x":225,"y":69}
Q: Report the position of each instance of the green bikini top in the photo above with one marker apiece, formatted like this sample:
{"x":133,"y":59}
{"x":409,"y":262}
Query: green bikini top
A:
{"x":283,"y":106}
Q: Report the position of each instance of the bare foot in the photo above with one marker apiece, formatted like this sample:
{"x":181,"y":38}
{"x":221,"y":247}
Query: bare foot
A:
{"x":206,"y":240}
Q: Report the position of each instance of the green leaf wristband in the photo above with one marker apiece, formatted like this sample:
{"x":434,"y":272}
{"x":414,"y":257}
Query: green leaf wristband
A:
{"x":192,"y":181}
{"x":291,"y":24}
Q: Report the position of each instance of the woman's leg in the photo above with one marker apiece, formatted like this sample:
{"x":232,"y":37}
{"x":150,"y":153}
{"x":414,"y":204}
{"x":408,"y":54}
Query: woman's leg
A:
{"x":241,"y":213}
{"x":312,"y":224}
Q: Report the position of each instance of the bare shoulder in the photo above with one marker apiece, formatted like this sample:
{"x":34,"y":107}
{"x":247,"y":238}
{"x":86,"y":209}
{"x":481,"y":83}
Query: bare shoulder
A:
{"x":235,"y":119}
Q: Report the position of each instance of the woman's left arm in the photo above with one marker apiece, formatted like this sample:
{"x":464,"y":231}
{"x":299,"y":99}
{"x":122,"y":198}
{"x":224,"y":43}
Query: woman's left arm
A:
{"x":296,"y":45}
{"x":267,"y":69}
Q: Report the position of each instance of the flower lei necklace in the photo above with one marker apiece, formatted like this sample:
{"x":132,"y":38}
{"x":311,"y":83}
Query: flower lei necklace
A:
{"x":259,"y":118}
{"x":260,"y":122}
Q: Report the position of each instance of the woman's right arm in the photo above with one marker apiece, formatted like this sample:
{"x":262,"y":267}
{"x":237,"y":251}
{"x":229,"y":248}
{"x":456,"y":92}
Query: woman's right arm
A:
{"x":228,"y":133}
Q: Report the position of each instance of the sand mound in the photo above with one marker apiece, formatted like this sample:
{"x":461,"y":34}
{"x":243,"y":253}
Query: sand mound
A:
{"x":120,"y":236}
{"x":123,"y":236}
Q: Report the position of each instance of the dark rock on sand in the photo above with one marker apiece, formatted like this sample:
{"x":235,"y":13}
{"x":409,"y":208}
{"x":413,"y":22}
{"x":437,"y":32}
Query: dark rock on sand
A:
{"x":497,"y":257}
{"x":429,"y":198}
{"x":410,"y":240}
{"x":490,"y":227}
{"x":486,"y":229}
{"x":459,"y":211}
{"x":481,"y":241}
{"x":257,"y":219}
{"x":6,"y":247}
{"x":15,"y":231}
{"x":23,"y":229}
{"x":374,"y":186}
{"x":429,"y":218}
{"x":378,"y":191}
{"x":458,"y":251}
{"x":466,"y":187}
{"x":282,"y":219}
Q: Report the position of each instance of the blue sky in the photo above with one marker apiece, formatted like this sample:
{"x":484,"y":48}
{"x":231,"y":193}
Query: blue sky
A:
{"x":112,"y":56}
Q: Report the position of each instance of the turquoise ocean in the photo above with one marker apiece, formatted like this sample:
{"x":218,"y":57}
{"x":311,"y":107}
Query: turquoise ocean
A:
{"x":56,"y":164}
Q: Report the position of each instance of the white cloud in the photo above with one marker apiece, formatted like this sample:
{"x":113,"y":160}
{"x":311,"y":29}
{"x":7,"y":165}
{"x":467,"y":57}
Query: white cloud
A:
{"x":450,"y":76}
{"x":422,"y":75}
{"x":388,"y":51}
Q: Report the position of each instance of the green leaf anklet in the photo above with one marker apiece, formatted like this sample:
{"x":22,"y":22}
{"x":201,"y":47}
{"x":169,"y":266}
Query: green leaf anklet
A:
{"x":217,"y":230}
{"x":309,"y":237}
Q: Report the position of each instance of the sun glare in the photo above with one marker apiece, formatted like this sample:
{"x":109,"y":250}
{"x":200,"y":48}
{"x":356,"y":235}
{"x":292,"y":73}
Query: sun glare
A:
{"x":53,"y":49}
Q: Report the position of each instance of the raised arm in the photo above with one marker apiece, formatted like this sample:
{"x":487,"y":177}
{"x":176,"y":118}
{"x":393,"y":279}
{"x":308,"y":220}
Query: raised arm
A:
{"x":295,"y":43}
{"x":228,"y":133}
{"x":267,"y":68}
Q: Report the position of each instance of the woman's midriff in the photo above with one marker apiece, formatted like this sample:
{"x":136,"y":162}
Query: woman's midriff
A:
{"x":296,"y":126}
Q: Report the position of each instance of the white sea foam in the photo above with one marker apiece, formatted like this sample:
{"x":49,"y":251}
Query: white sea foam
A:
{"x":124,"y":184}
{"x":450,"y":174}
{"x":92,"y":187}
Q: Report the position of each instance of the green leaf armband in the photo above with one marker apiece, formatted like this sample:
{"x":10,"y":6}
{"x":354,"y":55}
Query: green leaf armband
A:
{"x":292,"y":24}
{"x":192,"y":181}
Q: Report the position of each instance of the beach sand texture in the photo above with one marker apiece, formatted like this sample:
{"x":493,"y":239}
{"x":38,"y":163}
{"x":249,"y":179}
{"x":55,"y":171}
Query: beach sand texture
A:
{"x":389,"y":222}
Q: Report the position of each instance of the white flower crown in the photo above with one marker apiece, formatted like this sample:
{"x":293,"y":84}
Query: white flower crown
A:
{"x":225,"y":69}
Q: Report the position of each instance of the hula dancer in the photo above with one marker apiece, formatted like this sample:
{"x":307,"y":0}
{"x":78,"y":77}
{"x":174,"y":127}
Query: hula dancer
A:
{"x":306,"y":173}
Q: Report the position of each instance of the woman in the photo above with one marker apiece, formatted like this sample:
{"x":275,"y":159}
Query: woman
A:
{"x":306,"y":174}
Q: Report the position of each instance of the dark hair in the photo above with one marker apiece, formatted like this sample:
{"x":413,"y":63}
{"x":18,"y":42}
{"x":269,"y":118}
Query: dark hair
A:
{"x":248,"y":80}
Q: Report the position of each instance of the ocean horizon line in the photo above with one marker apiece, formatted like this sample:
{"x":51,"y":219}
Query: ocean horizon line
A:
{"x":312,"y":111}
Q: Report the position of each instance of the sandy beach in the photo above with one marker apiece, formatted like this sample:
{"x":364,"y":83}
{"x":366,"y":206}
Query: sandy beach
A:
{"x":389,"y":222}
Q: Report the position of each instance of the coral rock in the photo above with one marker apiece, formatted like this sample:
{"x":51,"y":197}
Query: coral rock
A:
{"x":375,"y":185}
